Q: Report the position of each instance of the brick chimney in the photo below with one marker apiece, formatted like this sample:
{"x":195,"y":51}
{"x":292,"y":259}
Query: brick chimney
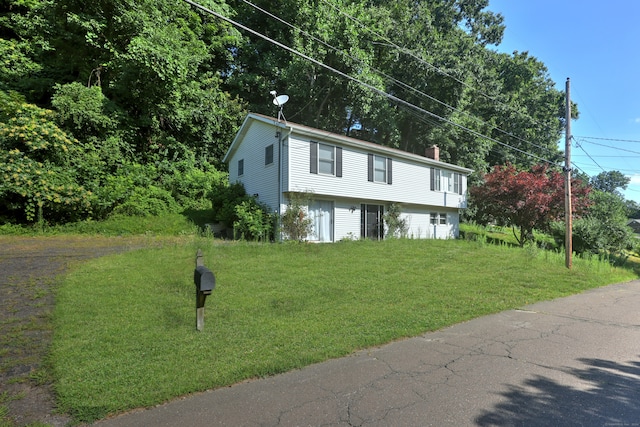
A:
{"x":432,"y":152}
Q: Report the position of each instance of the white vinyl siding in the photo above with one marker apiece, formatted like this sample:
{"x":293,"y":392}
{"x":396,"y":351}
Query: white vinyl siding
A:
{"x":343,"y":177}
{"x":256,"y":178}
{"x":410,"y":185}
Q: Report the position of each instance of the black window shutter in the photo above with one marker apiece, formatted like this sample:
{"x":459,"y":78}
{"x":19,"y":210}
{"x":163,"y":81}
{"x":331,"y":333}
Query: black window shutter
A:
{"x":459,"y":183}
{"x":339,"y":162}
{"x":370,"y":167}
{"x":389,"y":169}
{"x":313,"y":163}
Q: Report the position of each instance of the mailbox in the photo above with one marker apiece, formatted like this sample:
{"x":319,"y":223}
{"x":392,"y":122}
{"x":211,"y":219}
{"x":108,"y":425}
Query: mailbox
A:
{"x":204,"y":279}
{"x":205,"y":282}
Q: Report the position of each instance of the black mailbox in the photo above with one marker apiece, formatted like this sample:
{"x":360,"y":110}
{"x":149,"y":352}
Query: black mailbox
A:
{"x":204,"y":279}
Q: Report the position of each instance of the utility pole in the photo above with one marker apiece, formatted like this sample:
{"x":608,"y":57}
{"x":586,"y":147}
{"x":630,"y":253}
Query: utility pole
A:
{"x":568,"y":247}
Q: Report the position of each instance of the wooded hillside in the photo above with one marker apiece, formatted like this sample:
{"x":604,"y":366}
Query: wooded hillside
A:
{"x":129,"y":106}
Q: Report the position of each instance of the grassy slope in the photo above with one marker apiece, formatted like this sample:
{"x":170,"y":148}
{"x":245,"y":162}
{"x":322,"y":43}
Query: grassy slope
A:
{"x":125,"y":325}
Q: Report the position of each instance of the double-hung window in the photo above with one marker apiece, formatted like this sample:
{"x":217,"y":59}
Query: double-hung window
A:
{"x":442,"y":180}
{"x":268,"y":155}
{"x":435,"y":179}
{"x":379,"y":168}
{"x":325,"y":159}
{"x":240,"y":167}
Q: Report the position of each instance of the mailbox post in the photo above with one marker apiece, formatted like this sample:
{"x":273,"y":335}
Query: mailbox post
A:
{"x":205,"y":283}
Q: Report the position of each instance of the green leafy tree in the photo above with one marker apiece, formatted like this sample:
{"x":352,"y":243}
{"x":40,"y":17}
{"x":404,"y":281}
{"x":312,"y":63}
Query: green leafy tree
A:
{"x":610,"y":182}
{"x":38,"y":165}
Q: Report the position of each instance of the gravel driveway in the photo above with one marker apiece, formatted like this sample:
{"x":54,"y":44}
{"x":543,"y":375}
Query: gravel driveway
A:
{"x":30,"y":269}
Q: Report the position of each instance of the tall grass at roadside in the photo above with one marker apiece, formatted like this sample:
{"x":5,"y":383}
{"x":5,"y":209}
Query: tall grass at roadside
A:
{"x":125,"y":325}
{"x":188,"y":223}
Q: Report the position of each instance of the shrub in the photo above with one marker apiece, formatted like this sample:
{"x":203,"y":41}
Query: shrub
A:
{"x":224,"y":199}
{"x":144,"y":201}
{"x":295,"y":222}
{"x":396,"y":226}
{"x":254,"y":221}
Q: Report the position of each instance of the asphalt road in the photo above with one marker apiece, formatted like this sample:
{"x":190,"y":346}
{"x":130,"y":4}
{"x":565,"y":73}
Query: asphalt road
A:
{"x":574,"y":361}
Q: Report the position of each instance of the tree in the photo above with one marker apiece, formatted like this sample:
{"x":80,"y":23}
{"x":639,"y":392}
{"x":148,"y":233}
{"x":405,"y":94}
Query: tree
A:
{"x":38,"y":165}
{"x":610,"y":182}
{"x":603,"y":228}
{"x":526,"y":200}
{"x":633,"y":209}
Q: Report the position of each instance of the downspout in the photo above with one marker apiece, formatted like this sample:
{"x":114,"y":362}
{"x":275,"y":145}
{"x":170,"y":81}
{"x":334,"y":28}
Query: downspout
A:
{"x":280,"y":198}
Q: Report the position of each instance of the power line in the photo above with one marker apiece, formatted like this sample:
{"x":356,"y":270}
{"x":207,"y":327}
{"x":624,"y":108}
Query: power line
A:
{"x":394,"y":80}
{"x":609,"y":139}
{"x":588,"y":155}
{"x":367,"y":85}
{"x":439,"y":70}
{"x":583,"y":139}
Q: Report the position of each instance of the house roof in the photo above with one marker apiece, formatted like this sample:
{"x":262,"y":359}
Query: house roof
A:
{"x":337,"y":139}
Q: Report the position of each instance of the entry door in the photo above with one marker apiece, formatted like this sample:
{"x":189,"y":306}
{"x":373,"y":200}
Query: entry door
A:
{"x":372,"y":225}
{"x":321,"y":213}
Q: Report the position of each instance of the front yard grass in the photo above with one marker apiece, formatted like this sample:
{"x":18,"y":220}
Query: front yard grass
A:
{"x":125,"y":332}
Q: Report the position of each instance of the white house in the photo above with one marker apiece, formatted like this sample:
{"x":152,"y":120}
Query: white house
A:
{"x":352,"y":181}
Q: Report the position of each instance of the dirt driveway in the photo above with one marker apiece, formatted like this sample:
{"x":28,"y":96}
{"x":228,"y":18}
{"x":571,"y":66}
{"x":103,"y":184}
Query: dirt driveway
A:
{"x":30,"y":269}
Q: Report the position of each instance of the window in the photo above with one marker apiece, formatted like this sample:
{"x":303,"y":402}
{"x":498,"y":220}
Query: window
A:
{"x":268,"y":155}
{"x":447,"y":180}
{"x":240,"y":167}
{"x":435,"y":179}
{"x":438,"y":218}
{"x":454,"y":182}
{"x":325,"y":159}
{"x":379,"y":169}
{"x":442,"y":180}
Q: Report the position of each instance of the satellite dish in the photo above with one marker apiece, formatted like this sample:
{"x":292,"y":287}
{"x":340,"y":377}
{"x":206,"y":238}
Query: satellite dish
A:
{"x":280,"y":100}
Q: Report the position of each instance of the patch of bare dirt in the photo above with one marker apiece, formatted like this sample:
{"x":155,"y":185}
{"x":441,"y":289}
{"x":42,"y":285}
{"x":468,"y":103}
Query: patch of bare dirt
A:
{"x":30,"y":271}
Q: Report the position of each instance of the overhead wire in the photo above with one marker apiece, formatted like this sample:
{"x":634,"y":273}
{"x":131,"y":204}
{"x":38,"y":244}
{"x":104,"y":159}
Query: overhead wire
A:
{"x":588,"y":155}
{"x":436,"y":68}
{"x":410,"y":53}
{"x":609,"y":139}
{"x":393,"y":79}
{"x":367,"y":85}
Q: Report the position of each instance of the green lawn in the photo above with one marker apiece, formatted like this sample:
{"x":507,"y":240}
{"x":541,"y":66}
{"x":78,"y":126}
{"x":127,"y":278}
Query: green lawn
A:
{"x":125,"y":325}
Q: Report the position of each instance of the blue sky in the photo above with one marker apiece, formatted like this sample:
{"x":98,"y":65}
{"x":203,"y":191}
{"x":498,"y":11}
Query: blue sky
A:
{"x":595,"y":44}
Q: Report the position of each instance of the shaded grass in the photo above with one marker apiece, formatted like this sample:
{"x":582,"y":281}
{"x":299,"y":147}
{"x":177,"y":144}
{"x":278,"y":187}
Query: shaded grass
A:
{"x":125,"y":324}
